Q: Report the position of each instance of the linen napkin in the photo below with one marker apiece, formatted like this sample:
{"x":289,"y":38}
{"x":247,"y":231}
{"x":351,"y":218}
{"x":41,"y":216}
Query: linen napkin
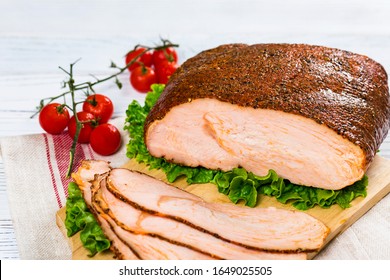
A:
{"x":35,"y":168}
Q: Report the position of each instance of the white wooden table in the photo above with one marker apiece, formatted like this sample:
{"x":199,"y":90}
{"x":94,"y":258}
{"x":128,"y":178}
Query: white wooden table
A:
{"x":38,"y":36}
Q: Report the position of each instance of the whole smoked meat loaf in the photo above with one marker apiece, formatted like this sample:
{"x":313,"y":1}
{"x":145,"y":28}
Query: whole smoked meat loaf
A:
{"x":315,"y":115}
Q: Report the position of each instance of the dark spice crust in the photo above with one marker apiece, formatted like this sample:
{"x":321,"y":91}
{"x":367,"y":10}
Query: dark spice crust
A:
{"x":345,"y":91}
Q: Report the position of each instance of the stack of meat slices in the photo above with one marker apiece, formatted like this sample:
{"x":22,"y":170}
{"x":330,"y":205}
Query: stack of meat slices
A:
{"x":147,"y":219}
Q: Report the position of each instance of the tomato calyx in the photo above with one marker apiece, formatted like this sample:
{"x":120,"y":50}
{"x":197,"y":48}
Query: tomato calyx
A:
{"x":100,"y":106}
{"x":164,"y":54}
{"x":92,"y":101}
{"x":167,"y":53}
{"x":61,"y":108}
{"x":169,"y":56}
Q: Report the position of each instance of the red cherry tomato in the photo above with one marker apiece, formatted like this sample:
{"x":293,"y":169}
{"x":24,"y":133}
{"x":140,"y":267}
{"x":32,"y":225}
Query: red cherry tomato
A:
{"x":100,"y":106}
{"x":54,"y":118}
{"x":105,"y":139}
{"x":166,"y":54}
{"x":86,"y":128}
{"x":165,"y":70}
{"x":142,"y":78}
{"x":145,"y":58}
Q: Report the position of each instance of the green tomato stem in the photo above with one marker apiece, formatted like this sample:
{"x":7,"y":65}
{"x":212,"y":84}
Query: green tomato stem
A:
{"x":79,"y":124}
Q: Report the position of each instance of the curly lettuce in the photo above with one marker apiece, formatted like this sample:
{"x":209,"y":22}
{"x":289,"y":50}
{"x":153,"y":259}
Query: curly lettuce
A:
{"x":238,"y":184}
{"x":80,"y":219}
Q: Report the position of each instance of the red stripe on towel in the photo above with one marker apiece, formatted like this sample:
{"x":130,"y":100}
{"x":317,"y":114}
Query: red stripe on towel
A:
{"x":62,"y":145}
{"x":52,"y":172}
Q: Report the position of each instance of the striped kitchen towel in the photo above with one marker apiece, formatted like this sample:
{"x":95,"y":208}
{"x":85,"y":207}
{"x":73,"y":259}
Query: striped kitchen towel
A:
{"x":35,"y":167}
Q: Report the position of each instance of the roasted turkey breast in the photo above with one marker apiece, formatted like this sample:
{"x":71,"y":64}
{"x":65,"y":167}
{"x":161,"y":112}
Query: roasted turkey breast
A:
{"x":315,"y":115}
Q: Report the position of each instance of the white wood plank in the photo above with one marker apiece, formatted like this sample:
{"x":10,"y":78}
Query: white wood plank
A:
{"x":154,"y":17}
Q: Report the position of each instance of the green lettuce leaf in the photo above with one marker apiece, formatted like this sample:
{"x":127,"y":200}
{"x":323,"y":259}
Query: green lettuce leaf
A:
{"x":237,"y":184}
{"x":79,"y":218}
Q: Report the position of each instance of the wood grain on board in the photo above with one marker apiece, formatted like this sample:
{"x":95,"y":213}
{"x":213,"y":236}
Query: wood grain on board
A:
{"x":336,"y":218}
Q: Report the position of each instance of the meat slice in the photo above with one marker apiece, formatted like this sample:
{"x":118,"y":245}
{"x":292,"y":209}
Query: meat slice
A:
{"x":264,"y":229}
{"x":126,"y":244}
{"x":88,"y":177}
{"x":140,"y":244}
{"x":120,"y":248}
{"x":313,"y":114}
{"x":85,"y":175}
{"x":175,"y":232}
{"x":137,"y":232}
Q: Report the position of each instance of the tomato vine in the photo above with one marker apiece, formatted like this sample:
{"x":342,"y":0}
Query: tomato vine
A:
{"x":87,"y":87}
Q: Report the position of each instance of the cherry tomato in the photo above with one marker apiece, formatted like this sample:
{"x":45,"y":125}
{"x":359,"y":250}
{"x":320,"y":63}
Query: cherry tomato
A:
{"x":142,"y":78}
{"x":166,"y":54}
{"x":165,"y":70}
{"x":100,"y":106}
{"x":146,"y":58}
{"x":86,"y":128}
{"x":54,"y":118}
{"x":105,"y":139}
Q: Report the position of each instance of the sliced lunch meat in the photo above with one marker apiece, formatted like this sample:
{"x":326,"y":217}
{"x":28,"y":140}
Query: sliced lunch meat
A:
{"x":127,"y":245}
{"x":315,"y":115}
{"x":85,"y":175}
{"x":122,"y":250}
{"x":136,"y":244}
{"x":175,"y":232}
{"x":88,"y":177}
{"x":263,"y":229}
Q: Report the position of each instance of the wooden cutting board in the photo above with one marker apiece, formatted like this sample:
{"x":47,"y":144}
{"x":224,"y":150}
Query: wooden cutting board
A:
{"x":335,"y":218}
